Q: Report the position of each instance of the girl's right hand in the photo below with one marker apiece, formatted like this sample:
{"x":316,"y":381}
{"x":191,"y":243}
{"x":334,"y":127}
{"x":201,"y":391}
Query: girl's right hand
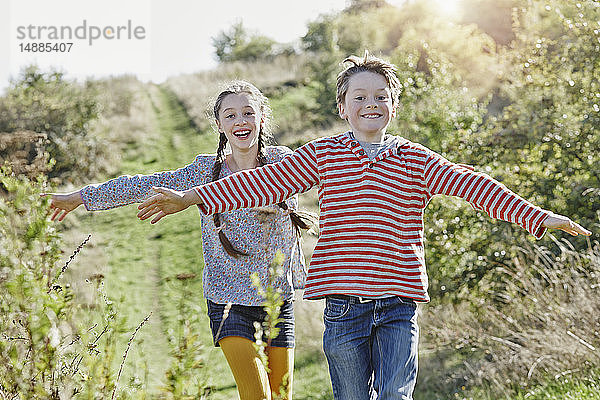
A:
{"x":63,"y":203}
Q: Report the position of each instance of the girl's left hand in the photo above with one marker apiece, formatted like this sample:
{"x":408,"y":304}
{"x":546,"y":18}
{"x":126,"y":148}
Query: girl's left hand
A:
{"x":555,"y":221}
{"x":165,"y":202}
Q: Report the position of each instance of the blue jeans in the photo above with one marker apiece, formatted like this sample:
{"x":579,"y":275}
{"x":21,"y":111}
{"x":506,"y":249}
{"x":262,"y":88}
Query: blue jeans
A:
{"x":371,"y":347}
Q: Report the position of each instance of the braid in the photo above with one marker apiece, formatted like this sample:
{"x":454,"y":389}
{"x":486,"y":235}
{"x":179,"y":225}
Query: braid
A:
{"x":220,"y":157}
{"x":261,"y":156}
{"x":216,"y":172}
{"x":298,"y":222}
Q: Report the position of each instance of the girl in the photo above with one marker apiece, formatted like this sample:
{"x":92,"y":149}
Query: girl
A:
{"x":369,"y":261}
{"x":235,"y":244}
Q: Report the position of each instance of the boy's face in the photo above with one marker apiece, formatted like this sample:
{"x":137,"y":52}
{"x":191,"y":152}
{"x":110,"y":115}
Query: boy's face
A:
{"x":367,"y":106}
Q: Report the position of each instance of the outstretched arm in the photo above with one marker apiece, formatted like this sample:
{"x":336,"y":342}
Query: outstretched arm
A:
{"x":128,"y":189}
{"x":263,"y":186}
{"x":167,"y":201}
{"x":489,"y":195}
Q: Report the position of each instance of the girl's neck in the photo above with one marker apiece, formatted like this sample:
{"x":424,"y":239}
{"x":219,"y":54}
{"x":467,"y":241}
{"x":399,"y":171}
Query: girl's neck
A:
{"x":239,"y":160}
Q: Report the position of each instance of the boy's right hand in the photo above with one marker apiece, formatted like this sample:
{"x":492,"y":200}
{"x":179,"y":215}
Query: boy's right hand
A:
{"x":166,"y":201}
{"x":63,"y":203}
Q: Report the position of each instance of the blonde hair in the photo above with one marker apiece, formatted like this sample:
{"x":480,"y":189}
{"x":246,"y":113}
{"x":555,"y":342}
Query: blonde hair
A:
{"x":368,"y":63}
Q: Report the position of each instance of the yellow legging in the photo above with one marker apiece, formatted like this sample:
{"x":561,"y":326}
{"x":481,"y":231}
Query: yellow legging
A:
{"x":251,"y":377}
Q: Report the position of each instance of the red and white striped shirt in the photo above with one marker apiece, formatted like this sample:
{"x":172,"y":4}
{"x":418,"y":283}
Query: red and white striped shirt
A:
{"x":371,"y":211}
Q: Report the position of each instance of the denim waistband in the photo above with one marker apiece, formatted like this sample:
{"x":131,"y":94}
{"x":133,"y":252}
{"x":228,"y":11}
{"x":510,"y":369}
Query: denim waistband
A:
{"x":358,"y":299}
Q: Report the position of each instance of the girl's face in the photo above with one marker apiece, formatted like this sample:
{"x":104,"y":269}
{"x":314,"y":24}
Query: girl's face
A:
{"x":368,"y":105}
{"x":240,"y":120}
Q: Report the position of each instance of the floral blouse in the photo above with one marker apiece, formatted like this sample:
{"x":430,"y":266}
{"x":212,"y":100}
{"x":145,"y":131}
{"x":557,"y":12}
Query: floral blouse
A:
{"x":261,"y":233}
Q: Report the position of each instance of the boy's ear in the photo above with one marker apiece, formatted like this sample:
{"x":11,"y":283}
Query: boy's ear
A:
{"x":342,"y":111}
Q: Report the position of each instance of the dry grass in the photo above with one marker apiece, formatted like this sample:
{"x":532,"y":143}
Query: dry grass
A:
{"x":25,"y":152}
{"x":538,"y":318}
{"x":197,"y":91}
{"x":126,"y":120}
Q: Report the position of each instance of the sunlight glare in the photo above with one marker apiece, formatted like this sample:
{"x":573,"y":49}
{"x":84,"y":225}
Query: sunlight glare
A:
{"x":449,"y":8}
{"x":445,"y":8}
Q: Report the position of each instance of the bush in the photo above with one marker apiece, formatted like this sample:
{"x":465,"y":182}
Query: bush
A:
{"x":25,"y":152}
{"x":49,"y":348}
{"x":45,"y":103}
{"x":542,"y":143}
{"x":237,"y":44}
{"x":545,"y":142}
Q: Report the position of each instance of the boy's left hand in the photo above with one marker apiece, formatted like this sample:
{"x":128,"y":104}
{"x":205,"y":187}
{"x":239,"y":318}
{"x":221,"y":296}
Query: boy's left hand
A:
{"x":555,"y":221}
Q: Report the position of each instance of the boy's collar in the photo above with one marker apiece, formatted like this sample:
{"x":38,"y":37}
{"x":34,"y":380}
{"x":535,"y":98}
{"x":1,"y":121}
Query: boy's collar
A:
{"x":348,"y":140}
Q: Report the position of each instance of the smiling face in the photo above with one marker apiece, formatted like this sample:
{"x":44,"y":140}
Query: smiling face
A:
{"x":240,"y":119}
{"x":368,"y":106}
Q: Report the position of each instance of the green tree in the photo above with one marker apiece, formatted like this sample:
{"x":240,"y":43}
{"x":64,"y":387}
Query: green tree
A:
{"x":546,"y":141}
{"x":237,"y":44}
{"x":321,"y":35}
{"x":358,"y":6}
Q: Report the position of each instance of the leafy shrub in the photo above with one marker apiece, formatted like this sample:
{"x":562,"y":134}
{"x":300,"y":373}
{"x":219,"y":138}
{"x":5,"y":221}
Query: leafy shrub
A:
{"x":542,"y":143}
{"x":31,"y":313}
{"x":49,"y":347}
{"x":46,"y":103}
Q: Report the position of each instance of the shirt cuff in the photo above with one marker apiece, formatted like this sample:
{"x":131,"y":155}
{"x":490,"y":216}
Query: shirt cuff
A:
{"x":84,"y":198}
{"x":203,"y":206}
{"x":538,"y":218}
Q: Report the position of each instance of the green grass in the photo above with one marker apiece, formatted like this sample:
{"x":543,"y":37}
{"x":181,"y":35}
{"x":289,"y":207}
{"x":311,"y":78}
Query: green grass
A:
{"x":573,"y":385}
{"x":565,"y":388}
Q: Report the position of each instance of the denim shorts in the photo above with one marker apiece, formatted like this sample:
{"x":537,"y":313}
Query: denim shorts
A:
{"x":240,"y":322}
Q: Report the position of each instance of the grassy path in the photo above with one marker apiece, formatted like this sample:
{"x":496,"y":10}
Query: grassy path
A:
{"x":140,"y":261}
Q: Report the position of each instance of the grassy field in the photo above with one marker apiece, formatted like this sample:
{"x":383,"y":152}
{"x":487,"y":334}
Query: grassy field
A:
{"x":142,"y":265}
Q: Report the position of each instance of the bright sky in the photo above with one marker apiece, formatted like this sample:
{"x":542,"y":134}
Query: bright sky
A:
{"x":176,"y":34}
